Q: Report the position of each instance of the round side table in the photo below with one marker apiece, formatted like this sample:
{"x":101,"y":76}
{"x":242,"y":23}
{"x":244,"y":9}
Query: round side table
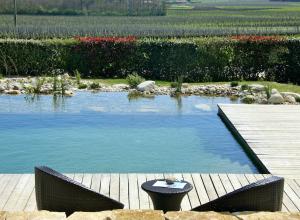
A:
{"x":166,"y":199}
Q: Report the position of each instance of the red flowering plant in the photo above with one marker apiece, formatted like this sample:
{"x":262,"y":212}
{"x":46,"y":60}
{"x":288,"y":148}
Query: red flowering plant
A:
{"x":96,"y":40}
{"x":257,"y":38}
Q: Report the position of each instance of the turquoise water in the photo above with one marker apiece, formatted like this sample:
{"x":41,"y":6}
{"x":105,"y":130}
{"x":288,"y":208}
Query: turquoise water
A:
{"x":107,"y":132}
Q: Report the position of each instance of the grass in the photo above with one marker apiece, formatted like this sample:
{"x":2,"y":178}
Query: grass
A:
{"x":282,"y":87}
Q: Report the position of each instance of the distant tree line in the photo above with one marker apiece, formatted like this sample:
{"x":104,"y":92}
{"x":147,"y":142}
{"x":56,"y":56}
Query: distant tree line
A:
{"x":85,"y":7}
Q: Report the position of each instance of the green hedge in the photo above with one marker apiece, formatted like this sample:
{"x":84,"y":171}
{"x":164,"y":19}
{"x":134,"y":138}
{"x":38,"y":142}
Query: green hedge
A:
{"x":197,"y":59}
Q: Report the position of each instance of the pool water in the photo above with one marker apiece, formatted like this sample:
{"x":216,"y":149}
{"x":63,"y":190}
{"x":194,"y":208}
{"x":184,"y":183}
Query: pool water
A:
{"x":107,"y":132}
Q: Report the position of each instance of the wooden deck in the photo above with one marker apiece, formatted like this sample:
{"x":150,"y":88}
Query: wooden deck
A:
{"x":271,"y":134}
{"x":17,"y":190}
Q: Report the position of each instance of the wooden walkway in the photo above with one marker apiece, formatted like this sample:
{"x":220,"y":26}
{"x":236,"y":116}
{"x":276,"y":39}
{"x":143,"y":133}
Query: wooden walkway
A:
{"x":271,"y":134}
{"x":17,"y":190}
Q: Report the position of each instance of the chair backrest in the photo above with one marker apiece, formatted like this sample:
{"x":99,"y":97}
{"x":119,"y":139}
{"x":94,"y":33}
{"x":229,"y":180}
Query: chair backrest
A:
{"x":263,"y":195}
{"x":57,"y":192}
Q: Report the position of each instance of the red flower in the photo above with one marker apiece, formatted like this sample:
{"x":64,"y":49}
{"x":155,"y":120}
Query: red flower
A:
{"x":256,"y":38}
{"x":106,"y":39}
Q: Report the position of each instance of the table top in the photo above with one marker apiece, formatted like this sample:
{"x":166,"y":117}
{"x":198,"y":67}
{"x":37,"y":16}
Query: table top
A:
{"x":148,"y":186}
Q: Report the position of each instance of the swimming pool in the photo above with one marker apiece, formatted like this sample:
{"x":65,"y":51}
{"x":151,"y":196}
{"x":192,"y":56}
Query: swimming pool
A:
{"x":107,"y":132}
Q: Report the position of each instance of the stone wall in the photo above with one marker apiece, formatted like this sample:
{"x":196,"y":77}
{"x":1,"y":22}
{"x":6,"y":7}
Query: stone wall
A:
{"x":148,"y":215}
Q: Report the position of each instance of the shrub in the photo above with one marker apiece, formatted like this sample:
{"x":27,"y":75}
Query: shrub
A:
{"x":234,"y":84}
{"x":195,"y":59}
{"x":1,"y":76}
{"x":82,"y":86}
{"x":297,"y":99}
{"x":244,"y":87}
{"x":134,"y":80}
{"x":174,"y":84}
{"x":95,"y":85}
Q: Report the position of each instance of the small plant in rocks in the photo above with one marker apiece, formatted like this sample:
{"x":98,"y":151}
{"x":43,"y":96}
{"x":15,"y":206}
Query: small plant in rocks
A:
{"x":134,"y":80}
{"x":297,"y":99}
{"x":95,"y":86}
{"x":82,"y":86}
{"x":78,"y":77}
{"x":244,"y":87}
{"x":268,"y":90}
{"x":234,"y":84}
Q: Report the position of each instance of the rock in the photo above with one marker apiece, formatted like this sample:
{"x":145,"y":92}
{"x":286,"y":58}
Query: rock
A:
{"x":138,"y":215}
{"x":295,"y":95}
{"x":146,"y":86}
{"x":69,"y":93}
{"x":121,"y":86}
{"x":290,"y":99}
{"x":274,"y":91}
{"x":276,"y":99}
{"x":248,"y":99}
{"x":2,"y":88}
{"x":104,"y":215}
{"x":12,"y":92}
{"x":66,"y":76}
{"x":16,"y":86}
{"x":257,"y":87}
{"x":38,"y":215}
{"x":2,"y":215}
{"x":185,"y":85}
{"x":190,"y":215}
{"x":267,"y":215}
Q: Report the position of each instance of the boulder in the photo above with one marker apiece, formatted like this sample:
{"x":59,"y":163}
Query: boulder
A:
{"x":137,"y":214}
{"x":248,"y":99}
{"x":290,"y":99}
{"x":2,"y":215}
{"x":274,"y":91}
{"x":38,"y":215}
{"x":190,"y":215}
{"x":295,"y":95}
{"x":146,"y":86}
{"x":69,"y":93}
{"x":276,"y":99}
{"x":104,"y":215}
{"x":257,"y":87}
{"x":12,"y":92}
{"x":267,"y":215}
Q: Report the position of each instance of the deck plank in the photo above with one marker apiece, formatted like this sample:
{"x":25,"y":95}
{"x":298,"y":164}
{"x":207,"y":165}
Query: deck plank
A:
{"x":269,"y":132}
{"x":105,"y":184}
{"x":133,"y":191}
{"x":143,"y":196}
{"x":200,"y":188}
{"x":114,"y":186}
{"x":9,"y":188}
{"x":124,"y":190}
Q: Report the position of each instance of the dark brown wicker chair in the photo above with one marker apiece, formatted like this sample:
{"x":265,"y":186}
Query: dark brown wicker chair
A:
{"x":56,"y":192}
{"x":263,"y":195}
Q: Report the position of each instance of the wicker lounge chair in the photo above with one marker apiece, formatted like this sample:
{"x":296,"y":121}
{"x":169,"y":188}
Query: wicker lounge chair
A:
{"x":56,"y":192}
{"x":263,"y":195}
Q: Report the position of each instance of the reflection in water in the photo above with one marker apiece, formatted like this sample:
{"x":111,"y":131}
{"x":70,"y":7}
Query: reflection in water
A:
{"x":133,"y":96}
{"x":29,"y":98}
{"x":58,"y":103}
{"x":178,"y":98}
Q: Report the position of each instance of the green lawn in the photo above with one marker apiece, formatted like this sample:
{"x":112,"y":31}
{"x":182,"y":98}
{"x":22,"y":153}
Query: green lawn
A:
{"x":279,"y":86}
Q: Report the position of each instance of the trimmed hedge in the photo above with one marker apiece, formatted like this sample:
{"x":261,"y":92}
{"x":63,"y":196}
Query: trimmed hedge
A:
{"x":196,"y":59}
